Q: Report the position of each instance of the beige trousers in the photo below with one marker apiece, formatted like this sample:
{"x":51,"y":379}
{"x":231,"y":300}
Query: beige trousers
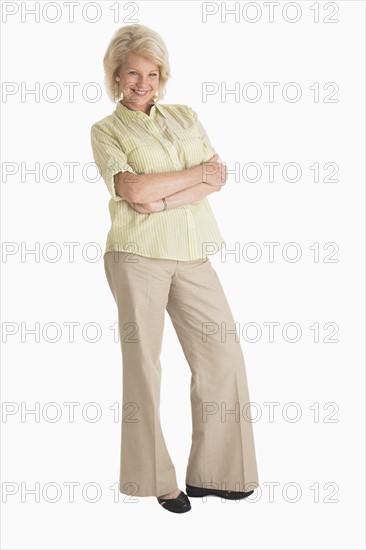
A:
{"x":222,"y":452}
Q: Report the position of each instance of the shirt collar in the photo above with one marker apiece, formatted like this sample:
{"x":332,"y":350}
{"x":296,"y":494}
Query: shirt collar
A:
{"x":127,"y":115}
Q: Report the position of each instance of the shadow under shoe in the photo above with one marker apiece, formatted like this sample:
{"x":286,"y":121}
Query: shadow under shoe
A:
{"x":203,"y":491}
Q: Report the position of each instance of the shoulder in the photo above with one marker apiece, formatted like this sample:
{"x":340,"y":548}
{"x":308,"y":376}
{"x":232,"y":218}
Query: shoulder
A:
{"x":108,"y":124}
{"x":104,"y":123}
{"x":104,"y":130}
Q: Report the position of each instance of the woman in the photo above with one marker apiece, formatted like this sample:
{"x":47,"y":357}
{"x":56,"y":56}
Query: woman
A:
{"x":159,"y":167}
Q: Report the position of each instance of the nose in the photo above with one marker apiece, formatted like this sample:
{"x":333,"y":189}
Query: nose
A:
{"x":142,"y":82}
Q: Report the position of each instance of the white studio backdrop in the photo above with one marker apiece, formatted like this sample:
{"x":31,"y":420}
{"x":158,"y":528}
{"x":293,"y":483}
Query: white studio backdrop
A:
{"x":294,"y":282}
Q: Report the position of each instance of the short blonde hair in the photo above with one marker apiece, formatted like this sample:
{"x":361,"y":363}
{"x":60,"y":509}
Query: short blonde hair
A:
{"x":140,"y":40}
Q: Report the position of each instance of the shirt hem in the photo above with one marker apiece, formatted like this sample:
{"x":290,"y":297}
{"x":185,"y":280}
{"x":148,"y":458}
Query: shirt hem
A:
{"x":180,"y":259}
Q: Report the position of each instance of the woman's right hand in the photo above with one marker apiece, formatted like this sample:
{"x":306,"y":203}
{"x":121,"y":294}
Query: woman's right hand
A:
{"x":214,"y":172}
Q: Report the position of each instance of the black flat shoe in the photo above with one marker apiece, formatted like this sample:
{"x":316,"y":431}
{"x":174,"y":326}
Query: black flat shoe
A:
{"x":179,"y":505}
{"x":203,"y":491}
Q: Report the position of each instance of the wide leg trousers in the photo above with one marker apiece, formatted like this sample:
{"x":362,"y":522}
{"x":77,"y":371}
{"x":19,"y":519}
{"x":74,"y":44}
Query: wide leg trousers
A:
{"x":222,"y":453}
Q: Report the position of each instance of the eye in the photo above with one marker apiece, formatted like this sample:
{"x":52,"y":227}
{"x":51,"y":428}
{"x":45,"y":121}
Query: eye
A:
{"x":135,"y":73}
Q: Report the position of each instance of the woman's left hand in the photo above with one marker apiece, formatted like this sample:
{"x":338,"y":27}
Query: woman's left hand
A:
{"x":147,"y":207}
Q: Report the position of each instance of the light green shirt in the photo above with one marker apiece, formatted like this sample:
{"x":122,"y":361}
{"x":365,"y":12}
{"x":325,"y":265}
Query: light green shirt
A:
{"x":170,"y":139}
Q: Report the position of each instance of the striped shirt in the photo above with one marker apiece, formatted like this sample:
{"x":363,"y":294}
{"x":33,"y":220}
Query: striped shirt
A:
{"x":170,"y":138}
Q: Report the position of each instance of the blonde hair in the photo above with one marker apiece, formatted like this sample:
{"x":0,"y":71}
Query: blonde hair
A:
{"x":140,"y":40}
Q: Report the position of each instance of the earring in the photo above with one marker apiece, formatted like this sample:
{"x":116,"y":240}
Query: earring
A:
{"x":118,"y":79}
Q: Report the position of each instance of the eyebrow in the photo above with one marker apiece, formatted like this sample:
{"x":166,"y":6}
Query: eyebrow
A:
{"x":152,"y":70}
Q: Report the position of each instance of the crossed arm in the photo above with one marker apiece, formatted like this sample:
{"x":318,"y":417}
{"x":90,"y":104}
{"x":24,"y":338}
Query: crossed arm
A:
{"x":186,"y":196}
{"x":144,"y":193}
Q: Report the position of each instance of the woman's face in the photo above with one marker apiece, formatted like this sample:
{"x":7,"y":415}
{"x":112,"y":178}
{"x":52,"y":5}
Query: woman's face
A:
{"x":139,"y":82}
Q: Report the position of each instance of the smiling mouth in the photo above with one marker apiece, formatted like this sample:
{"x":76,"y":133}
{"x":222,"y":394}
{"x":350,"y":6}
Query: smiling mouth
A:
{"x":140,"y":92}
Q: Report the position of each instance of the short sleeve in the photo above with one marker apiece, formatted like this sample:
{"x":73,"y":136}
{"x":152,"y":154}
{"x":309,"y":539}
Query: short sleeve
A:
{"x":109,"y":157}
{"x":208,"y":148}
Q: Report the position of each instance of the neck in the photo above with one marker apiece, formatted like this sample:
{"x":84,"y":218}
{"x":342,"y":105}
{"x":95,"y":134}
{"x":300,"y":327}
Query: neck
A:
{"x":144,"y":108}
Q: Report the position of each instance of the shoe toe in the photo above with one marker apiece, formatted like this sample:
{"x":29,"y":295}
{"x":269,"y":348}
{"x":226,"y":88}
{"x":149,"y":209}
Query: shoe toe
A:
{"x":178,"y":505}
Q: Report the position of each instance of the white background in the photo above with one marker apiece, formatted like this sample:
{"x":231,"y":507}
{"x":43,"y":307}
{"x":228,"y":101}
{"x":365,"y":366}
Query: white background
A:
{"x":37,"y":211}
